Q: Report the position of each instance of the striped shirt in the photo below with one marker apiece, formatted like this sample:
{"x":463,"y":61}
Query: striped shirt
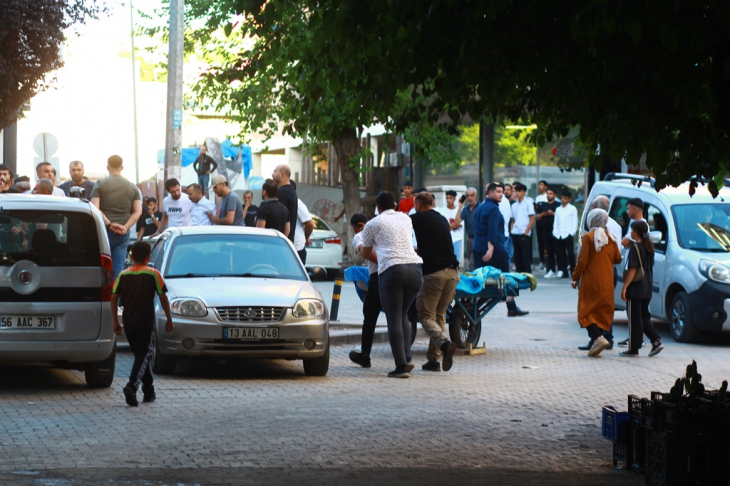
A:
{"x":137,"y":287}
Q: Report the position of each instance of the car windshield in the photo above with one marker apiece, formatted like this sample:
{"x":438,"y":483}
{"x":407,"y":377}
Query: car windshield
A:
{"x":703,"y":227}
{"x":233,"y":255}
{"x":48,"y":238}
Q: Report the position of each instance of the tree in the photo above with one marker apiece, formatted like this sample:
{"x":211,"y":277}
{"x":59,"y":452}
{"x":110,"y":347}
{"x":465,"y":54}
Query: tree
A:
{"x":31,"y":36}
{"x":646,"y":77}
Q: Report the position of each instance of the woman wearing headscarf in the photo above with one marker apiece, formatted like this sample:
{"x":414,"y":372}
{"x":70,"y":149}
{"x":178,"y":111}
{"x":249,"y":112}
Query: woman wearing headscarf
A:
{"x":598,"y":254}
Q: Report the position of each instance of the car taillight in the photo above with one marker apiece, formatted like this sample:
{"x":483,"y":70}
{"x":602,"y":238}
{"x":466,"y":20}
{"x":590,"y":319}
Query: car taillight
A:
{"x":107,"y":278}
{"x":334,"y":241}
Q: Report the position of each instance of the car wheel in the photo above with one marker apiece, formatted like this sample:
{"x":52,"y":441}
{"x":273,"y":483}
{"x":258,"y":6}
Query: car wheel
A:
{"x":683,"y":328}
{"x":462,"y":331}
{"x":101,"y":373}
{"x":162,"y":364}
{"x":318,"y":366}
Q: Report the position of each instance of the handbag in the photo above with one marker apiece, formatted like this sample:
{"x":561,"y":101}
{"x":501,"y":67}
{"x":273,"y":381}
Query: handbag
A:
{"x":639,"y":275}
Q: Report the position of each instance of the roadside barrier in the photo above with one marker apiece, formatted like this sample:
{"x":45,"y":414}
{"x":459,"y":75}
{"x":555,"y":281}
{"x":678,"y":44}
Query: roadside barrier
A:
{"x":335,"y":307}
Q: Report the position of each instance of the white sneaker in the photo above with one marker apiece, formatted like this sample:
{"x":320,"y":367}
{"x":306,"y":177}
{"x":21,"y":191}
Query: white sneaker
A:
{"x":541,"y":267}
{"x":560,"y":274}
{"x":550,"y":274}
{"x":598,"y":346}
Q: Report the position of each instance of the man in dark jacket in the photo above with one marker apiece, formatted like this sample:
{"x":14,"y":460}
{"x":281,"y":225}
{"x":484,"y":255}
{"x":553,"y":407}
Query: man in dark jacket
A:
{"x":202,"y":166}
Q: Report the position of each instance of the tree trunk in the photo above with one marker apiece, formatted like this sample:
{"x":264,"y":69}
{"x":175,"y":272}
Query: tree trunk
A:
{"x":346,"y":146}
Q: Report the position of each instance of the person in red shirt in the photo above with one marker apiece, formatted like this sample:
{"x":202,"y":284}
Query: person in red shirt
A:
{"x":406,"y":204}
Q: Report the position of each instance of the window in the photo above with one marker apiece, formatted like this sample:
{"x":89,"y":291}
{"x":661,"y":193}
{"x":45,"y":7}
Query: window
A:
{"x":657,"y":222}
{"x":49,"y":238}
{"x":619,"y":213}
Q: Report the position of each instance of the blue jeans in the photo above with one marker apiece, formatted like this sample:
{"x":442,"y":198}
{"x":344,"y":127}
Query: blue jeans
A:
{"x":118,"y":244}
{"x":203,"y":180}
{"x":510,"y":248}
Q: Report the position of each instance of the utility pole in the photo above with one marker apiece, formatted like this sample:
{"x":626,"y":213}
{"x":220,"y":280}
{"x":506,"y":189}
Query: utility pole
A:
{"x":134,"y":100}
{"x":173,"y":138}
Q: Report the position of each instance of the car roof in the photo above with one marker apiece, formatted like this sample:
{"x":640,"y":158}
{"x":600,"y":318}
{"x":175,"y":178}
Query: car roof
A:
{"x":44,"y":202}
{"x":672,"y":195}
{"x":224,"y":230}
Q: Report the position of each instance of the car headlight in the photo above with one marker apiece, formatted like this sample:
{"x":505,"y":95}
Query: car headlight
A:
{"x":714,"y":271}
{"x":308,"y":308}
{"x":188,"y":307}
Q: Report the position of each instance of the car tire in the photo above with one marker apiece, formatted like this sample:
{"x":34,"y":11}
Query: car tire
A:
{"x":101,"y":373}
{"x":318,"y":366}
{"x":162,"y":364}
{"x":683,"y":327}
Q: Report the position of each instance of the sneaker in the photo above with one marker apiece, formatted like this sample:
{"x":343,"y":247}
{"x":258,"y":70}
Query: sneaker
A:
{"x":358,"y":358}
{"x":598,"y":346}
{"x":130,"y":396}
{"x":398,"y":373}
{"x":516,"y":312}
{"x":410,"y":366}
{"x":587,"y":347}
{"x":625,"y":342}
{"x":656,"y":348}
{"x":448,"y":349}
{"x":149,"y":397}
{"x":550,"y":274}
{"x":560,"y":274}
{"x":541,"y":267}
{"x":431,"y":366}
{"x":629,"y":354}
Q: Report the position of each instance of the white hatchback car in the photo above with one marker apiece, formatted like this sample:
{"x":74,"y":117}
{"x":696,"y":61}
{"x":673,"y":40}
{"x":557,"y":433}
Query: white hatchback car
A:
{"x":691,"y":236}
{"x":55,"y":286}
{"x":325,"y":249}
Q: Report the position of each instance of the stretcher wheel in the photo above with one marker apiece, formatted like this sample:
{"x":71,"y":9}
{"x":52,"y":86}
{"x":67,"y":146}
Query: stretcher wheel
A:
{"x":462,"y":331}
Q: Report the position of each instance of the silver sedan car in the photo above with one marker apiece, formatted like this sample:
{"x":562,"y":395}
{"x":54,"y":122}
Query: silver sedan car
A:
{"x":238,"y":292}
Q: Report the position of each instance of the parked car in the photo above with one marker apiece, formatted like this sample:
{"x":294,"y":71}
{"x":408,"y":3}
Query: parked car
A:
{"x":325,"y":249}
{"x":238,"y":292}
{"x":691,"y":236}
{"x":55,"y":286}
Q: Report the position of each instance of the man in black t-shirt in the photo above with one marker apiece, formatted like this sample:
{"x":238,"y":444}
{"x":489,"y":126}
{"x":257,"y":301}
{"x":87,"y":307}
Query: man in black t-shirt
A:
{"x":440,"y":277}
{"x":287,"y":195}
{"x":272,"y":214}
{"x":249,"y":210}
{"x":545,"y":216}
{"x":203,"y":166}
{"x":148,"y":223}
{"x":6,"y":180}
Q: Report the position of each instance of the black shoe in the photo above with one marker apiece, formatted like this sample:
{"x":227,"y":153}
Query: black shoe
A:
{"x":410,"y":366}
{"x":656,"y":348}
{"x":586,"y":348}
{"x":399,"y":373}
{"x":130,"y":395}
{"x":358,"y":358}
{"x":629,"y":354}
{"x":625,"y":342}
{"x":431,"y":366}
{"x":149,"y":397}
{"x":516,"y":312}
{"x":448,"y":349}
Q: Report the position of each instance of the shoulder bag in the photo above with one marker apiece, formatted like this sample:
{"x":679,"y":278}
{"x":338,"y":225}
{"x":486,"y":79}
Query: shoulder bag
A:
{"x":639,"y":275}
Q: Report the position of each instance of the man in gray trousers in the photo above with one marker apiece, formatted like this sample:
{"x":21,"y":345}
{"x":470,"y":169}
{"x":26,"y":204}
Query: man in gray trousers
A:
{"x":399,"y":275}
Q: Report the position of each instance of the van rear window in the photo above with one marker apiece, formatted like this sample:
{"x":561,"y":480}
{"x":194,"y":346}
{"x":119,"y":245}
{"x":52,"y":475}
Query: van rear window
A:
{"x":48,"y":238}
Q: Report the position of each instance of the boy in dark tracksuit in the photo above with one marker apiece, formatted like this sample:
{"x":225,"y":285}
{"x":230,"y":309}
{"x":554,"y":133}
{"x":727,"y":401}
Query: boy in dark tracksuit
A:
{"x":137,"y":286}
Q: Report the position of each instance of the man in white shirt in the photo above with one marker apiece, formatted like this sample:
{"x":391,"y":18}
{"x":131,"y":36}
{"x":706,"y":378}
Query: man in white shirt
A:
{"x":201,"y":206}
{"x":399,"y":275}
{"x":176,"y":207}
{"x":523,"y":213}
{"x":44,"y":170}
{"x":305,"y":226}
{"x":453,"y":216}
{"x":564,"y":227}
{"x":506,"y":209}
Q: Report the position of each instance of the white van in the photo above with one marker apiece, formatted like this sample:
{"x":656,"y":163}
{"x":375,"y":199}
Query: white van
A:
{"x":55,"y":286}
{"x":691,"y":235}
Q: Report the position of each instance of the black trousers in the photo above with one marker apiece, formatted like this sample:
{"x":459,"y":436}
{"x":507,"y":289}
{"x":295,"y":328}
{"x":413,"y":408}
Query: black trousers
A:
{"x":540,"y":244}
{"x":303,"y":255}
{"x":140,"y":341}
{"x":523,"y":253}
{"x":548,"y":243}
{"x":371,"y":309}
{"x":563,"y":247}
{"x":640,"y":323}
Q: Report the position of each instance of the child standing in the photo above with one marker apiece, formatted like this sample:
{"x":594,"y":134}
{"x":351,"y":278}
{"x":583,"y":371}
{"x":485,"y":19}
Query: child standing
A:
{"x":137,"y":286}
{"x":638,"y":294}
{"x":371,"y":307}
{"x":564,"y":227}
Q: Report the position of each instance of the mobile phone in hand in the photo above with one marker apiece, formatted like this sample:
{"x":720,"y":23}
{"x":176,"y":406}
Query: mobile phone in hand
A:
{"x":462,"y":198}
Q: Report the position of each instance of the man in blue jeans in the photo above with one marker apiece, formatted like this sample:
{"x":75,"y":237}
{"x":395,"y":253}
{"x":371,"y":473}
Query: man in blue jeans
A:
{"x":399,"y":275}
{"x":203,"y":166}
{"x":120,"y":204}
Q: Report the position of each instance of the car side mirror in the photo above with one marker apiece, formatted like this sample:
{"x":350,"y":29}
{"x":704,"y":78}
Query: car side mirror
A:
{"x":318,"y":274}
{"x":78,"y":192}
{"x":655,"y":237}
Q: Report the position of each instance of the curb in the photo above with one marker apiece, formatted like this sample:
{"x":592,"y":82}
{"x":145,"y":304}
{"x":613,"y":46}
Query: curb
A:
{"x":354,"y":336}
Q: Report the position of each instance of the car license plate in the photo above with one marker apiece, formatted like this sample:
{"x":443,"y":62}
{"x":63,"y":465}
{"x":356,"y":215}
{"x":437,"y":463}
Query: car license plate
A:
{"x":251,"y":333}
{"x":27,"y":322}
{"x":316,"y":244}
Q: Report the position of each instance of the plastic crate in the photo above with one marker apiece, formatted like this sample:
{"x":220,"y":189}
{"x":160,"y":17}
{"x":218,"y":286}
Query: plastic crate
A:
{"x":635,"y":442}
{"x":648,"y":414}
{"x":620,"y":454}
{"x":614,"y":424}
{"x":634,"y":407}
